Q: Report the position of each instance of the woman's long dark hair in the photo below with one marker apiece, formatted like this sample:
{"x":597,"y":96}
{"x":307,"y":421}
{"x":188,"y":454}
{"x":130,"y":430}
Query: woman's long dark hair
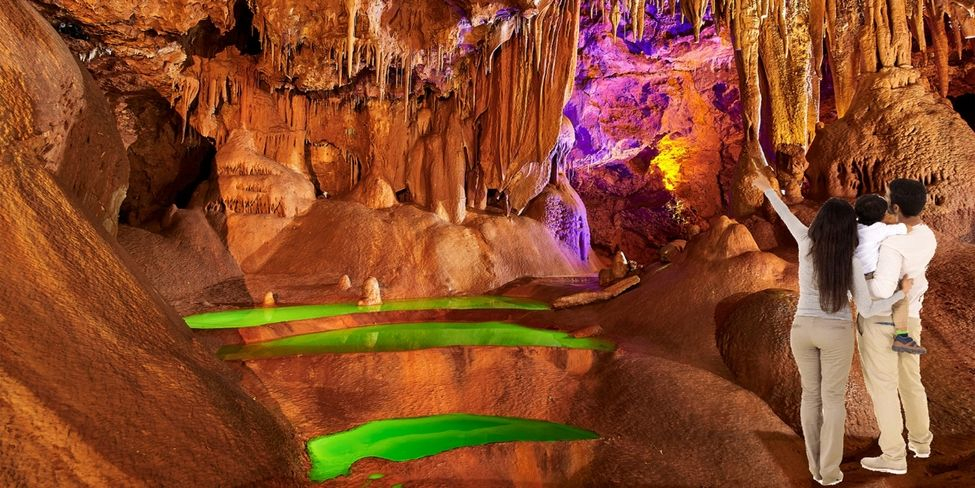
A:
{"x":834,"y":238}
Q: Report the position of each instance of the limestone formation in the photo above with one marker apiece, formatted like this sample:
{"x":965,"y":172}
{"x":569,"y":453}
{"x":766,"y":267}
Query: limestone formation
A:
{"x":412,"y":252}
{"x":345,"y":282}
{"x":620,"y":266}
{"x":897,"y":127}
{"x":790,"y":170}
{"x":128,"y":398}
{"x":75,"y":133}
{"x":248,"y":183}
{"x":724,"y":240}
{"x":370,"y":293}
{"x":587,"y":297}
{"x":268,"y":300}
{"x":673,"y":249}
{"x":754,"y":342}
{"x":335,"y":91}
{"x":561,"y":210}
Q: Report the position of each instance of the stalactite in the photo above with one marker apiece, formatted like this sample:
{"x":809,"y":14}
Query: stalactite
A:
{"x":817,"y":23}
{"x":614,"y":17}
{"x":786,"y":63}
{"x":916,"y":16}
{"x":351,"y":9}
{"x":939,"y":40}
{"x":843,"y":24}
{"x":694,"y":10}
{"x":956,"y":33}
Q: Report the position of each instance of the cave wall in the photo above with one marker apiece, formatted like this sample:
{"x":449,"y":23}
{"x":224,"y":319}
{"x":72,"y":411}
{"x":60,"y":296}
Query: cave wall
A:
{"x":101,"y":383}
{"x":74,"y":130}
{"x":445,"y":100}
{"x":657,"y":129}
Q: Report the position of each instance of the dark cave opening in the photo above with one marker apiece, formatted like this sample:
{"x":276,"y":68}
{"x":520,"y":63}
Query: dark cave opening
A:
{"x":206,"y":40}
{"x":965,"y":106}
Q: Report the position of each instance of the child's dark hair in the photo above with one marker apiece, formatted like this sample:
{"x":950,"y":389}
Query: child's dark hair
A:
{"x":909,"y":195}
{"x":870,"y":209}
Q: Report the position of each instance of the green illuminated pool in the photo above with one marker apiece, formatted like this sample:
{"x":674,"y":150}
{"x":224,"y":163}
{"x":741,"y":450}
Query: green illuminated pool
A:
{"x":411,"y":336}
{"x":252,"y":317}
{"x":414,"y":438}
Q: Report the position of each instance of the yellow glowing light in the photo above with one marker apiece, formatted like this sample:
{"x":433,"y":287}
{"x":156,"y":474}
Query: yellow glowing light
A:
{"x":672,"y":151}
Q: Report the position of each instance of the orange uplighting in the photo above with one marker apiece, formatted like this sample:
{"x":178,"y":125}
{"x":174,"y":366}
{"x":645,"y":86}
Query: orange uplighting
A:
{"x":672,"y":151}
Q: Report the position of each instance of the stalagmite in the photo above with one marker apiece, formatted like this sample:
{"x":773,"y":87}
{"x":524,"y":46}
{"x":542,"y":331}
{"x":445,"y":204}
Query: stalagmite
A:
{"x":370,"y":293}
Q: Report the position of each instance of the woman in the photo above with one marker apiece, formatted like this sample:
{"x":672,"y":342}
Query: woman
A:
{"x":822,"y":332}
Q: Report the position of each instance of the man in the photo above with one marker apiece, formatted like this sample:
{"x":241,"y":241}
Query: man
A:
{"x":887,"y":372}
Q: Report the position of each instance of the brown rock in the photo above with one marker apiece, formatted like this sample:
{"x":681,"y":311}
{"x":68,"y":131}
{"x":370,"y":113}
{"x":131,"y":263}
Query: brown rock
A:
{"x":102,"y":383}
{"x":725,"y":239}
{"x":790,"y":170}
{"x":754,"y":343}
{"x":345,"y":282}
{"x":606,"y":277}
{"x":763,"y":232}
{"x":186,"y":261}
{"x":75,"y":132}
{"x":897,"y":127}
{"x":620,"y":266}
{"x":410,"y":251}
{"x":673,"y":249}
{"x":587,"y":297}
{"x":370,"y":293}
{"x":374,"y":192}
{"x":745,"y":198}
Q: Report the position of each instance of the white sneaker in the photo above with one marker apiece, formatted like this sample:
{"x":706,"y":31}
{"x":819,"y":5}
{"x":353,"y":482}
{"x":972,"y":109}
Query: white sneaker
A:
{"x":819,"y":480}
{"x":881,"y":465}
{"x":920,"y":453}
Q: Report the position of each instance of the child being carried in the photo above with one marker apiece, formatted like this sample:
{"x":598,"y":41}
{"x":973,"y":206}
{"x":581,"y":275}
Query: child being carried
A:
{"x":871,"y":231}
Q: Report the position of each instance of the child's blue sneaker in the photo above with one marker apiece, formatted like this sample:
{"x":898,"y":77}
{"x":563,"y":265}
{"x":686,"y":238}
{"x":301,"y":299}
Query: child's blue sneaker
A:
{"x":904,"y":343}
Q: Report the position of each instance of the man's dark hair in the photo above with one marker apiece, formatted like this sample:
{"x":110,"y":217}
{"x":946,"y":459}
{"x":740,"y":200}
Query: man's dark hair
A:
{"x":870,"y":209}
{"x":908,"y":195}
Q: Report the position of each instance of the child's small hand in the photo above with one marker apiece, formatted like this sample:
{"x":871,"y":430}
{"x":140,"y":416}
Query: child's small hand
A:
{"x":906,"y":284}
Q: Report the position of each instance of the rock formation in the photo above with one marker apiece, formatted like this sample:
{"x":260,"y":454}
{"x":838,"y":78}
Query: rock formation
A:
{"x":101,"y":382}
{"x":896,"y":127}
{"x":560,"y":209}
{"x":656,"y":131}
{"x":753,"y":338}
{"x":410,"y":251}
{"x":75,"y":132}
{"x":349,"y":89}
{"x":186,"y":261}
{"x":370,"y":293}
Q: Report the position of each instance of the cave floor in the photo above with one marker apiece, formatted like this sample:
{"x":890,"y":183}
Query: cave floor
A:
{"x":665,"y":408}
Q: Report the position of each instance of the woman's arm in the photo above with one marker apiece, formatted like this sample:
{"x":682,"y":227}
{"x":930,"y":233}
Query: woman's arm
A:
{"x":798,"y":230}
{"x":867,"y":306}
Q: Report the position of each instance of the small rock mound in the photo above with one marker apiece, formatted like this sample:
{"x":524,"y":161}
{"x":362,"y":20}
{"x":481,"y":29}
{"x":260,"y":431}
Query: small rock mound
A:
{"x":754,"y":343}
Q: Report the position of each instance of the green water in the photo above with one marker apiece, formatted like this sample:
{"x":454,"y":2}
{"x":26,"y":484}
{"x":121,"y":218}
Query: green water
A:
{"x":252,"y":317}
{"x":408,"y":337}
{"x":415,"y":438}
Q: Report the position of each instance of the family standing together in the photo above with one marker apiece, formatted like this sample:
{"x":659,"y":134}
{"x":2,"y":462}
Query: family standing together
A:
{"x":849,"y":251}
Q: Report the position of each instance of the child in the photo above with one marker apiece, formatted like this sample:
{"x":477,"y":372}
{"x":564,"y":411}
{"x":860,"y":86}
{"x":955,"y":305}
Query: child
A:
{"x":871,"y":231}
